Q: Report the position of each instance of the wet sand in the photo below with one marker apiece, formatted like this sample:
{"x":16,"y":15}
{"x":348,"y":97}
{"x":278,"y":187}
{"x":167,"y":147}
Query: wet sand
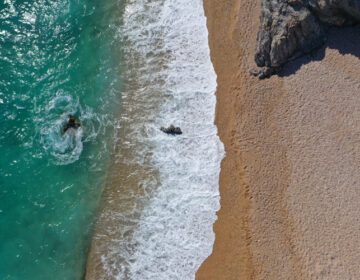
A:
{"x":150,"y":225}
{"x":289,"y":184}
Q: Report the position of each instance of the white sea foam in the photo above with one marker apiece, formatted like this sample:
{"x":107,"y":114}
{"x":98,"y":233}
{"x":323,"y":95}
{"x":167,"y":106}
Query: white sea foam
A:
{"x":173,"y":233}
{"x":66,"y":148}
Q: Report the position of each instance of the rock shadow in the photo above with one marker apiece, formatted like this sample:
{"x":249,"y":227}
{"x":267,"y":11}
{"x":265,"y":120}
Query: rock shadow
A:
{"x":344,"y":39}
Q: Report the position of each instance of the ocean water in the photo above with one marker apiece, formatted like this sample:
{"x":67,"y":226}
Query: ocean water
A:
{"x":162,"y":191}
{"x":56,"y":58}
{"x":124,"y":68}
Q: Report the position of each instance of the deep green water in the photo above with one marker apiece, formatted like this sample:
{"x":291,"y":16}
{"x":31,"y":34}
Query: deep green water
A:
{"x":56,"y":57}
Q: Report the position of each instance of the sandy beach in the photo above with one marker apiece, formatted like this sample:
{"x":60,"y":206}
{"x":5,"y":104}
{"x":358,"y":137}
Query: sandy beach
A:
{"x":289,"y":184}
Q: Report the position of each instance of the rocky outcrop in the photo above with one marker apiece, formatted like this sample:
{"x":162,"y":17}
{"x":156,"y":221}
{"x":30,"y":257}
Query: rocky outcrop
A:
{"x":171,"y":130}
{"x":289,"y":28}
{"x":71,"y":123}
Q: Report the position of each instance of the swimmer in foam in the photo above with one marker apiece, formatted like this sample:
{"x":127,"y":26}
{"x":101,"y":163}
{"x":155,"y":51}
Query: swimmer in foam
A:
{"x":71,"y":123}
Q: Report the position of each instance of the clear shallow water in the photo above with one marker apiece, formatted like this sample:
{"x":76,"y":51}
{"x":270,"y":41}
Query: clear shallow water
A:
{"x":56,"y":58}
{"x":62,"y":57}
{"x":162,"y":192}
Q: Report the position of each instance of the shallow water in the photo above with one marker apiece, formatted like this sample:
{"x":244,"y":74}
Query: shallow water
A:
{"x":162,"y":192}
{"x":56,"y":58}
{"x":124,"y":69}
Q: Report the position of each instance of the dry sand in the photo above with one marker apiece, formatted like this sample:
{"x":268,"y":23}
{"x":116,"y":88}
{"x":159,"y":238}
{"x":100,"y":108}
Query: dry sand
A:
{"x":290,"y":188}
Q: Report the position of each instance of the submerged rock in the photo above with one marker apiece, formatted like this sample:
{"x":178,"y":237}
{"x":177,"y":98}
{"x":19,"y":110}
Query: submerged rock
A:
{"x":71,"y":123}
{"x":171,"y":130}
{"x":290,"y":28}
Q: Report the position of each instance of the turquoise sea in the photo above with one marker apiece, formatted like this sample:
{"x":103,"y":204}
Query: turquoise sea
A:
{"x":57,"y":57}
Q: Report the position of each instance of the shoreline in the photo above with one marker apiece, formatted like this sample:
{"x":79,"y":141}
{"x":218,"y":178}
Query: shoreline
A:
{"x":225,"y":263}
{"x":282,"y":210}
{"x":157,"y":182}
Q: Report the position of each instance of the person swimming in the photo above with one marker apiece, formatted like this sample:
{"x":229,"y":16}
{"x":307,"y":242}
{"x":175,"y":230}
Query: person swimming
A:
{"x":71,"y":123}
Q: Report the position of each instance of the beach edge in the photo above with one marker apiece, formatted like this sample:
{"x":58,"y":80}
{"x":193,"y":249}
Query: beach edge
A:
{"x":231,"y":257}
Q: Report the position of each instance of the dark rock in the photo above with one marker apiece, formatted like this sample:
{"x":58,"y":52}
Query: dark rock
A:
{"x":264,"y":72}
{"x":290,"y":28}
{"x":336,"y":12}
{"x":71,"y":123}
{"x":171,"y":130}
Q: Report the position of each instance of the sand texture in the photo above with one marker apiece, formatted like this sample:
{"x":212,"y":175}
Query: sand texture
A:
{"x":290,"y":188}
